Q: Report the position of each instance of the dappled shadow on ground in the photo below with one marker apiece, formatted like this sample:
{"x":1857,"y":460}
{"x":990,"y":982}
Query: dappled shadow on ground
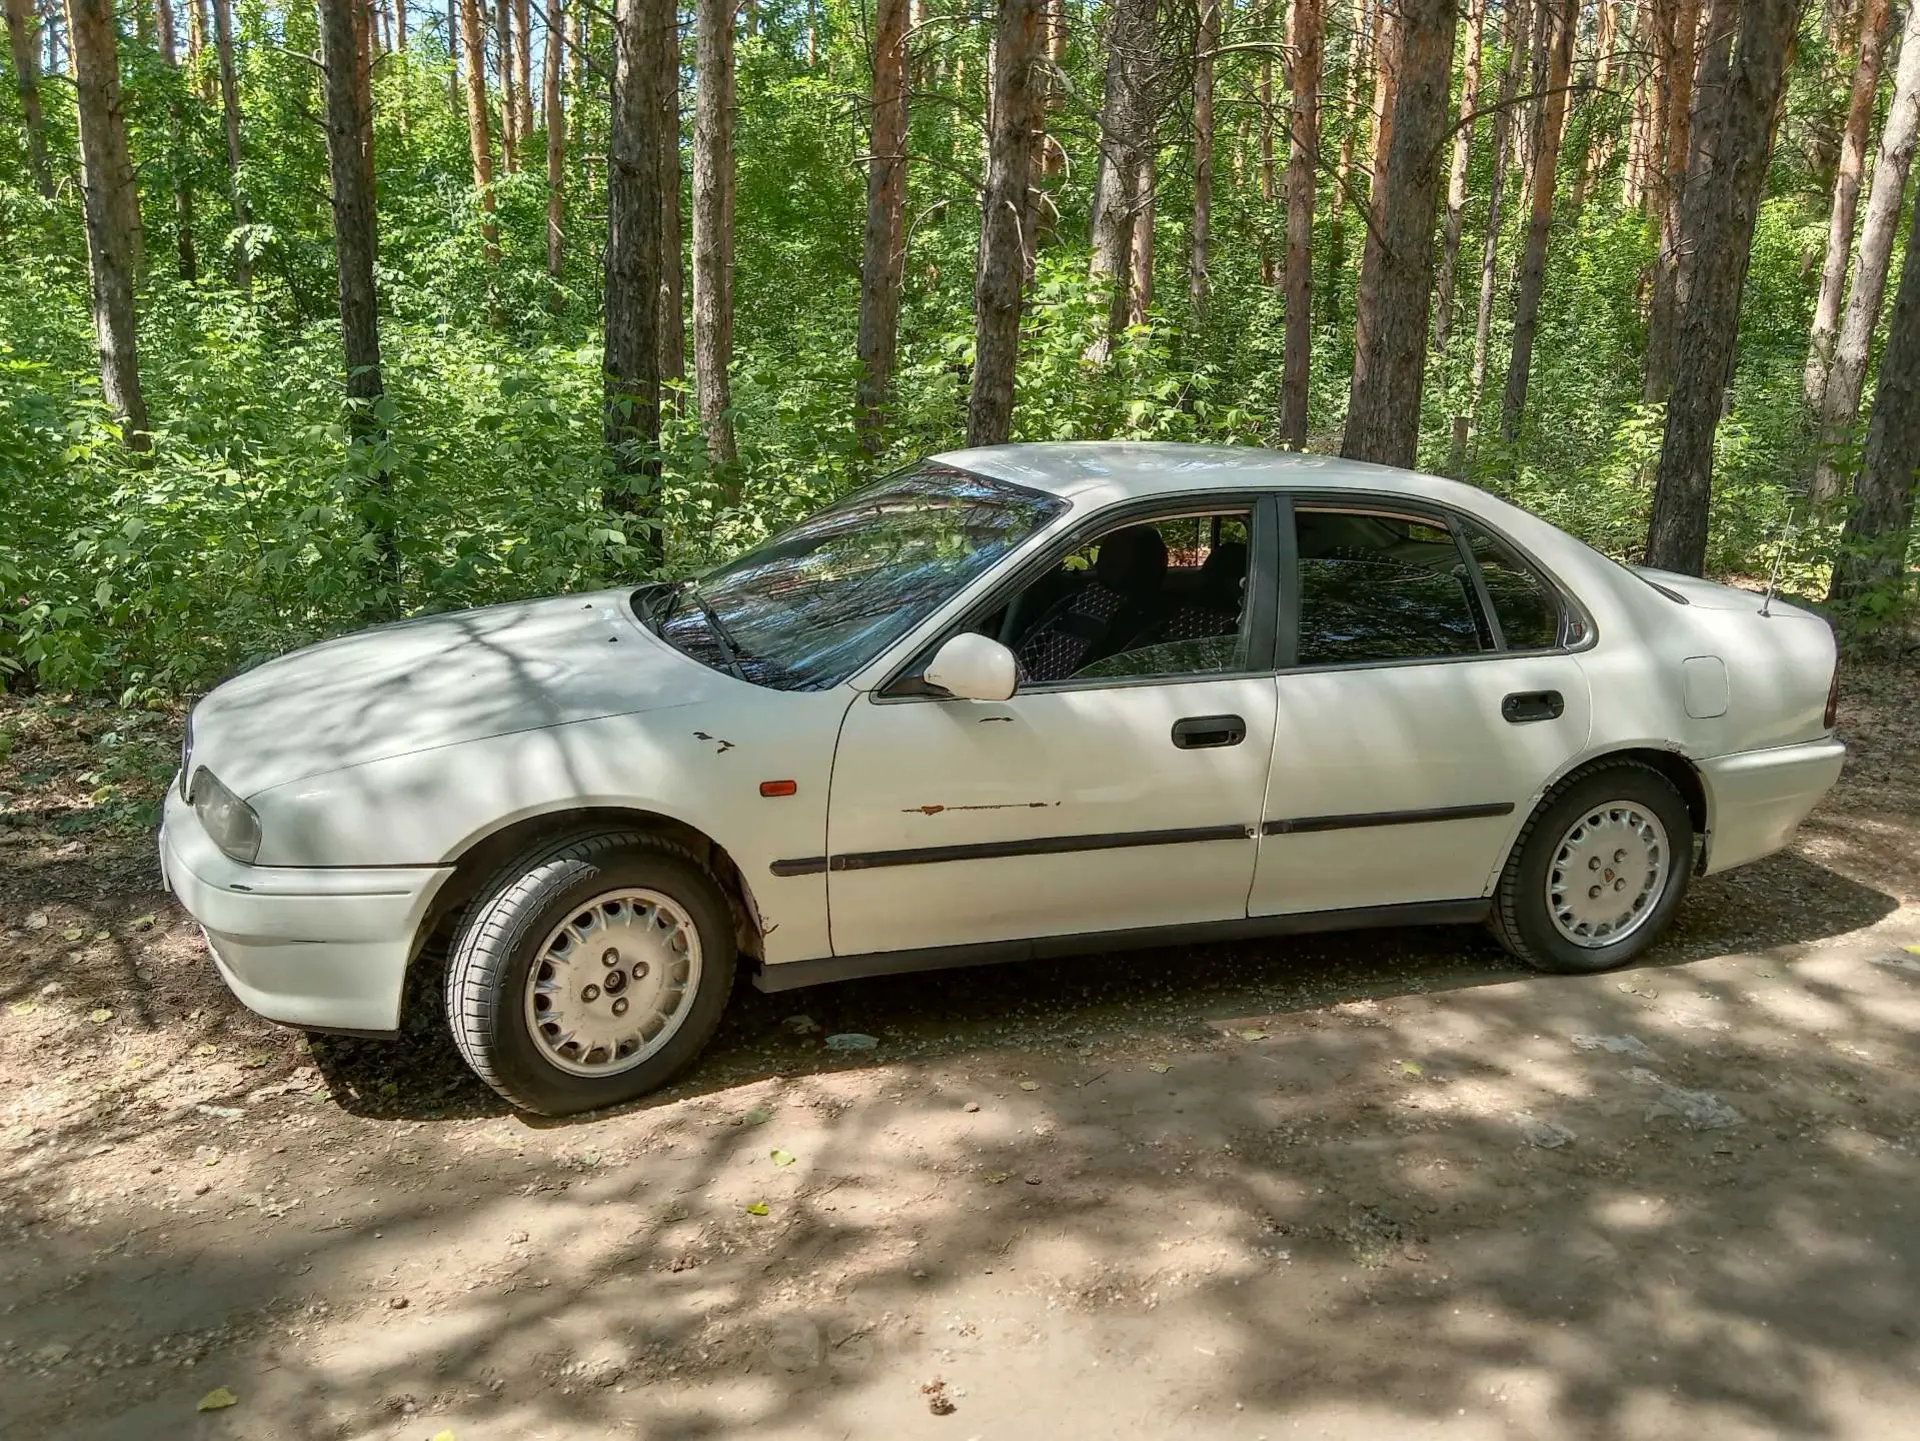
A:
{"x":1783,"y":900}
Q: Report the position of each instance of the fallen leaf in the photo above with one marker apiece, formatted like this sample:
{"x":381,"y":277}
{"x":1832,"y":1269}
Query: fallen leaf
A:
{"x":72,"y":933}
{"x":782,"y":1158}
{"x":1411,"y":1068}
{"x":446,"y":1435}
{"x":994,"y":1178}
{"x":37,"y":921}
{"x":142,"y":923}
{"x":1029,"y":1085}
{"x":100,"y":1016}
{"x":1159,"y":1068}
{"x":23,"y":1008}
{"x":218,"y":1399}
{"x":1911,"y":950}
{"x":1252,"y":1033}
{"x":756,"y":1208}
{"x":758,"y":1116}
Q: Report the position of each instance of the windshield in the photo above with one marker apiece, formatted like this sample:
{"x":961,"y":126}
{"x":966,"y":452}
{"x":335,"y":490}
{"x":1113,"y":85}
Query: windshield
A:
{"x":813,"y":605}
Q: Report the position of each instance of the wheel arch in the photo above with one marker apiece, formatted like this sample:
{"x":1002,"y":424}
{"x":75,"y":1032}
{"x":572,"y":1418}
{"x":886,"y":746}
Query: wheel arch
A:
{"x":1676,"y":768}
{"x":482,"y":855}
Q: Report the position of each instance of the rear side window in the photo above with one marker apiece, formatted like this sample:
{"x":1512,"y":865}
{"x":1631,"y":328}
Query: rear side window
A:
{"x":1528,"y":610}
{"x":1381,"y":587}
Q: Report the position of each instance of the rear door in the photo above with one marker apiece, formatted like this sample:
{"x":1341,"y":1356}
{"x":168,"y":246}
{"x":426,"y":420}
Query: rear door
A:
{"x":1427,"y":693}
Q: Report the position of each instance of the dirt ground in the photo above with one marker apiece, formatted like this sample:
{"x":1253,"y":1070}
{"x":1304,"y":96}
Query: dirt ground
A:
{"x":1379,"y":1185}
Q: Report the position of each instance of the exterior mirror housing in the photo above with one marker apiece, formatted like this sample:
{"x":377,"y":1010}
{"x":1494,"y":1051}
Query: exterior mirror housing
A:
{"x":972,"y":667}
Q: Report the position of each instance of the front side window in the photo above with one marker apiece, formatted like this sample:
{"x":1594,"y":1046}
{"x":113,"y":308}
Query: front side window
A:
{"x":1382,"y":587}
{"x":812,"y":606}
{"x":1147,"y":599}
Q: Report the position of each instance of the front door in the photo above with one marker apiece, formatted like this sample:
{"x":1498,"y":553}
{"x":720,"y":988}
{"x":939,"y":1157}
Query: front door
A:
{"x":1429,"y":699}
{"x":1120,"y":788}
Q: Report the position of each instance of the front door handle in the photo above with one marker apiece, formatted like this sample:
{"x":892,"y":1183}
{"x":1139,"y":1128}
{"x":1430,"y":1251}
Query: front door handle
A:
{"x":1532,"y":705}
{"x":1207,"y":732}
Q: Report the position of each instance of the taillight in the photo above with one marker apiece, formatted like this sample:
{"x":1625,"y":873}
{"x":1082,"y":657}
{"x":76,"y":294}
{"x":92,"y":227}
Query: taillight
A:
{"x":1833,"y":697}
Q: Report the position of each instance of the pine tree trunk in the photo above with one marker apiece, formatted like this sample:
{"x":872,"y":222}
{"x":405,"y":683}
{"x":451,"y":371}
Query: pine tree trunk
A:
{"x":522,"y":68}
{"x":186,"y":257}
{"x":1873,"y":548}
{"x":713,"y":230}
{"x":1846,"y":199}
{"x":23,"y":36}
{"x":1201,"y":237}
{"x":1520,"y":20}
{"x":1847,"y":373}
{"x":111,"y":210}
{"x":479,"y":144}
{"x":345,"y":43}
{"x":1307,"y":33}
{"x":230,"y":119}
{"x":1263,"y":97}
{"x":1396,"y":271}
{"x":1677,"y":59}
{"x":1343,"y":163}
{"x":552,"y":93}
{"x":1018,"y":36}
{"x":673,"y":296}
{"x":1127,"y":115}
{"x":509,"y":91}
{"x":1140,"y":291}
{"x":641,"y":111}
{"x":1562,"y":16}
{"x":1595,"y":154}
{"x":883,"y":253}
{"x":1386,"y":77}
{"x":456,"y":51}
{"x":1457,"y":177}
{"x":1718,"y":228}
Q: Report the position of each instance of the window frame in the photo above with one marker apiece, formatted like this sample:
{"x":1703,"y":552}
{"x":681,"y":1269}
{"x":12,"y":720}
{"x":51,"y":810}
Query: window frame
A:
{"x":1421,"y":512}
{"x":1263,"y":586}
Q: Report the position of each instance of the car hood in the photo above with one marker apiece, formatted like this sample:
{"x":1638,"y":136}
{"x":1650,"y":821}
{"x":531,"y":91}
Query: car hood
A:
{"x":438,"y":681}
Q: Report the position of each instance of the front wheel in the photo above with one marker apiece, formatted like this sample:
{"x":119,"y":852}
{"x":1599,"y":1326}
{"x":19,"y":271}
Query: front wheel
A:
{"x":1597,"y":872}
{"x":590,"y":971}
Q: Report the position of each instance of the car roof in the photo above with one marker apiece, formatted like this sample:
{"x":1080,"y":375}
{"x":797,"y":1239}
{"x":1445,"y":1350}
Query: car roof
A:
{"x":1112,"y":470}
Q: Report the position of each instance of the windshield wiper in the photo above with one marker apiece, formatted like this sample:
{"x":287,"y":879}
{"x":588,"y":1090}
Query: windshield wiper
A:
{"x":720,"y":636}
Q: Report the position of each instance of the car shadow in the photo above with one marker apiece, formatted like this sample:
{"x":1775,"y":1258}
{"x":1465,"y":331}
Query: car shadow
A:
{"x":1785,"y":900}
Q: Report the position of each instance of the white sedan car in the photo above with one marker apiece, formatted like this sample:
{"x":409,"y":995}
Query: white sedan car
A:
{"x":1010,"y":703}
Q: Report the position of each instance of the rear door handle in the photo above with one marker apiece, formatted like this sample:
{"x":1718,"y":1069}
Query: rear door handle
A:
{"x":1532,"y":705}
{"x":1208,"y":732}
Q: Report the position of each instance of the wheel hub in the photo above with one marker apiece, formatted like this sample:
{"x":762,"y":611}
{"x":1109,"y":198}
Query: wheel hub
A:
{"x":613,"y":982}
{"x":1607,"y":873}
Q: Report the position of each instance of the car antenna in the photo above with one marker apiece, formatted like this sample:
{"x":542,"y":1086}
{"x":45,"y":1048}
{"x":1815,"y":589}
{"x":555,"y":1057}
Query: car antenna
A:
{"x":1779,"y":554}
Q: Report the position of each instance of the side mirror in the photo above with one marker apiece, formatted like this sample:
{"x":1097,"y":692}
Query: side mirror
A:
{"x":972,"y":667}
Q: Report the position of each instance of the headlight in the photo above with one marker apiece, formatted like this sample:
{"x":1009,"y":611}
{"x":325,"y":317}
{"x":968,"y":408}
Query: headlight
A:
{"x":228,"y":819}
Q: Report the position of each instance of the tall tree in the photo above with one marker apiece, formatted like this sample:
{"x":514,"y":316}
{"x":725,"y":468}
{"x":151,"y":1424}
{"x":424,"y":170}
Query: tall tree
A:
{"x":641,"y":111}
{"x":1128,"y":113}
{"x":1680,"y":21}
{"x":1201,"y":237}
{"x":24,"y":38}
{"x":230,"y":119}
{"x":673,"y":314}
{"x":883,"y":248}
{"x":522,"y":69}
{"x":1874,"y":544}
{"x":1846,"y":197}
{"x":1457,"y":176}
{"x":1594,"y":156}
{"x":111,"y":210}
{"x":1307,"y":27}
{"x":552,"y":99}
{"x":1717,"y":228}
{"x":1343,"y":162}
{"x":1386,"y":77}
{"x":1396,"y":269}
{"x":188,"y":261}
{"x":1263,"y":99}
{"x":473,"y":42}
{"x":510,"y":136}
{"x":1847,"y":374}
{"x":1017,"y":45}
{"x":1562,"y":16}
{"x":345,"y":43}
{"x":1140,"y":290}
{"x":1520,"y":17}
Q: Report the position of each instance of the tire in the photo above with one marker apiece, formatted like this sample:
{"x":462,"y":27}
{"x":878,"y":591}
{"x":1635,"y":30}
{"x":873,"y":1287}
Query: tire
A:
{"x":1523,"y":918}
{"x":626,"y":882}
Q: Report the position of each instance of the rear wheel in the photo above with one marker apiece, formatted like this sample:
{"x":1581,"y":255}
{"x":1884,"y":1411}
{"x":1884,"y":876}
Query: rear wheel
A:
{"x":1598,"y":871}
{"x":590,"y":971}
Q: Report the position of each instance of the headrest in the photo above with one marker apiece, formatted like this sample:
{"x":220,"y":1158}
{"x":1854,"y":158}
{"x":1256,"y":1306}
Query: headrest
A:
{"x":1133,"y":561}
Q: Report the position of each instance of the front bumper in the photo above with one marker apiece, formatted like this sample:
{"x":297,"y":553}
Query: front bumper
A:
{"x":1757,"y":799}
{"x":325,"y":948}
